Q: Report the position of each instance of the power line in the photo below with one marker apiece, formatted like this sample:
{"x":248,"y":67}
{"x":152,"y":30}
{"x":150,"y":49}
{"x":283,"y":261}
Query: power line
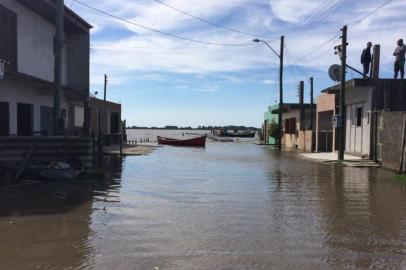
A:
{"x":159,"y":31}
{"x":211,"y":23}
{"x":165,"y":52}
{"x":335,"y":35}
{"x":310,"y":26}
{"x":314,"y":19}
{"x":318,"y":47}
{"x":370,"y":13}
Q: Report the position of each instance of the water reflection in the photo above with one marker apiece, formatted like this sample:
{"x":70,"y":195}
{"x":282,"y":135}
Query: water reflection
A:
{"x":230,"y":206}
{"x":47,"y":225}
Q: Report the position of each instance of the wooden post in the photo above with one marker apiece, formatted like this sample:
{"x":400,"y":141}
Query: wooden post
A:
{"x":313,"y":146}
{"x":280,"y":93}
{"x":121,"y":144}
{"x":311,"y":103}
{"x":375,"y":62}
{"x":301,"y":104}
{"x":342,"y":93}
{"x":94,"y":149}
{"x":58,"y":47}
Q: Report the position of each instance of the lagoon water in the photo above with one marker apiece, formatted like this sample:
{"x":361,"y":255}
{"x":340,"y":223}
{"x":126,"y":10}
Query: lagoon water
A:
{"x":226,"y":206}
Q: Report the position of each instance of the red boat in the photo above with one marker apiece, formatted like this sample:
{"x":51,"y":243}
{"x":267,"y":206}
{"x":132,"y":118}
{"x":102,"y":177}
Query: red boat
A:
{"x":197,"y":142}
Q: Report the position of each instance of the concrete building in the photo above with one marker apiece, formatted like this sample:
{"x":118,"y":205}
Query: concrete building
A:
{"x":325,"y":133}
{"x":358,"y":102}
{"x":26,"y":91}
{"x":110,"y":119}
{"x":270,"y":120}
{"x":296,"y":120}
{"x":375,"y":119}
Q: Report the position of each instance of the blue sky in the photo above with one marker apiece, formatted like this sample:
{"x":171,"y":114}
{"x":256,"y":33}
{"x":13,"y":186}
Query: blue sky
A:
{"x":161,"y":80}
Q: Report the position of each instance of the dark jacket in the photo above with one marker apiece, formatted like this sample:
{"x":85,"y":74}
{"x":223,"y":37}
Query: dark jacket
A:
{"x":366,"y":56}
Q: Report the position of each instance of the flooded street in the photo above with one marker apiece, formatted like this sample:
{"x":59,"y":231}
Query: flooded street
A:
{"x":228,"y":206}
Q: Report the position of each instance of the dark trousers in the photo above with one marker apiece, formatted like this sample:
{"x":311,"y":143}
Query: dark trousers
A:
{"x":399,"y":66}
{"x":366,"y":68}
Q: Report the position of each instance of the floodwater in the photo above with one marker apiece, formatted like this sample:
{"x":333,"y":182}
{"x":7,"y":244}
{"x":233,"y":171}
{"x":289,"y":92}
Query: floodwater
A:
{"x":228,"y":206}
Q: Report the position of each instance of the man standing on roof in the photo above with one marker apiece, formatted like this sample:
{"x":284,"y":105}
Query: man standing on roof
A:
{"x":366,"y":58}
{"x":399,"y":53}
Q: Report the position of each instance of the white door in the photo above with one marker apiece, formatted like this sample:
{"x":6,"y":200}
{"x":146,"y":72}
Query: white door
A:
{"x":350,"y":133}
{"x":359,"y":127}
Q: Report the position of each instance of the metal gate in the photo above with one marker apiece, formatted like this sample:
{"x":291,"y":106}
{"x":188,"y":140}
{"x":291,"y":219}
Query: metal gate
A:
{"x":325,"y":141}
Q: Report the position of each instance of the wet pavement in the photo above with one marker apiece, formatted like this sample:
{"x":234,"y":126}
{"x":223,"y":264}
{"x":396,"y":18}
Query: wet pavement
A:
{"x":229,"y":206}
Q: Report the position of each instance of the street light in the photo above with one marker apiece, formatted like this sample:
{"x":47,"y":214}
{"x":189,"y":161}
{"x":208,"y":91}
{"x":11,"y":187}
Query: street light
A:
{"x":280,"y":56}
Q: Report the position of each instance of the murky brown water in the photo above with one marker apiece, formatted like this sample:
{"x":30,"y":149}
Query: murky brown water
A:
{"x":229,"y":206}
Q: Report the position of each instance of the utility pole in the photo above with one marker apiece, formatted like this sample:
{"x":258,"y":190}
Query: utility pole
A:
{"x":280,"y":55}
{"x":342,"y":92}
{"x":280,"y":92}
{"x":311,"y":103}
{"x":311,"y":113}
{"x":105,"y":86}
{"x":301,"y":103}
{"x":58,"y":47}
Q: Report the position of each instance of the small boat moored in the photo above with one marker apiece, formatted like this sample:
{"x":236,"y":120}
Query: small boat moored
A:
{"x":196,"y":142}
{"x":237,"y":133}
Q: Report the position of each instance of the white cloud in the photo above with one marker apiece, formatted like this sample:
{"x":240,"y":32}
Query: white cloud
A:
{"x":149,"y":52}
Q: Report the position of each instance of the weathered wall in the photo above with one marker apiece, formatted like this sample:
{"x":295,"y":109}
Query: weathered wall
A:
{"x":106,"y":108}
{"x":14,"y":149}
{"x":357,"y":140}
{"x":393,"y":123}
{"x":305,"y":140}
{"x":15,"y":92}
{"x":325,"y":103}
{"x":78,"y":62}
{"x":290,"y":140}
{"x":35,"y":52}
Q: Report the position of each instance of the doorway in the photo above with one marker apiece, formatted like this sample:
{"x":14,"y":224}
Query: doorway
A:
{"x":4,"y":119}
{"x":47,"y":119}
{"x":355,"y":133}
{"x":114,"y":123}
{"x":25,"y":119}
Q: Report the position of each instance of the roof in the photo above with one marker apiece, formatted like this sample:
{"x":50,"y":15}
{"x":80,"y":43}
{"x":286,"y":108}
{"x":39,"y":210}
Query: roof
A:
{"x":348,"y":84}
{"x":104,"y":104}
{"x":293,"y":106}
{"x":47,"y":10}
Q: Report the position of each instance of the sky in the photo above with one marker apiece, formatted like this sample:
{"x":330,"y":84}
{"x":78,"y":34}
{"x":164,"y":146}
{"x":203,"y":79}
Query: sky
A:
{"x":163,"y":80}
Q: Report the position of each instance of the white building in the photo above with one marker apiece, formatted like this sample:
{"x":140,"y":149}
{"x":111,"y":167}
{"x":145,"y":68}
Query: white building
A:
{"x":358,"y":102}
{"x":27,"y":30}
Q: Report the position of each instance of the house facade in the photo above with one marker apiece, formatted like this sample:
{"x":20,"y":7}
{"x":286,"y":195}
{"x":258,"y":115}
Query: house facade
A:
{"x":325,"y":133}
{"x":27,"y":53}
{"x":358,"y":102}
{"x":296,"y":126}
{"x":105,"y":116}
{"x":270,"y":119}
{"x":375,"y":120}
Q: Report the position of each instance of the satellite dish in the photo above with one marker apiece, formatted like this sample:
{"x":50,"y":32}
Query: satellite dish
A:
{"x":335,"y":72}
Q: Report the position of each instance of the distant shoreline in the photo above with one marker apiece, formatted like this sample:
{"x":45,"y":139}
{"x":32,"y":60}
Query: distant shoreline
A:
{"x":203,"y":128}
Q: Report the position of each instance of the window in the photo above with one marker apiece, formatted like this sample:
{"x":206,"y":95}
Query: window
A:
{"x":79,"y":116}
{"x":8,"y":38}
{"x":287,"y":126}
{"x":290,"y":126}
{"x":359,"y":116}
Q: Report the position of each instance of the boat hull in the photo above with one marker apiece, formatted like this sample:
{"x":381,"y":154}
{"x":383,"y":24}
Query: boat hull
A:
{"x":238,"y":135}
{"x":194,"y":142}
